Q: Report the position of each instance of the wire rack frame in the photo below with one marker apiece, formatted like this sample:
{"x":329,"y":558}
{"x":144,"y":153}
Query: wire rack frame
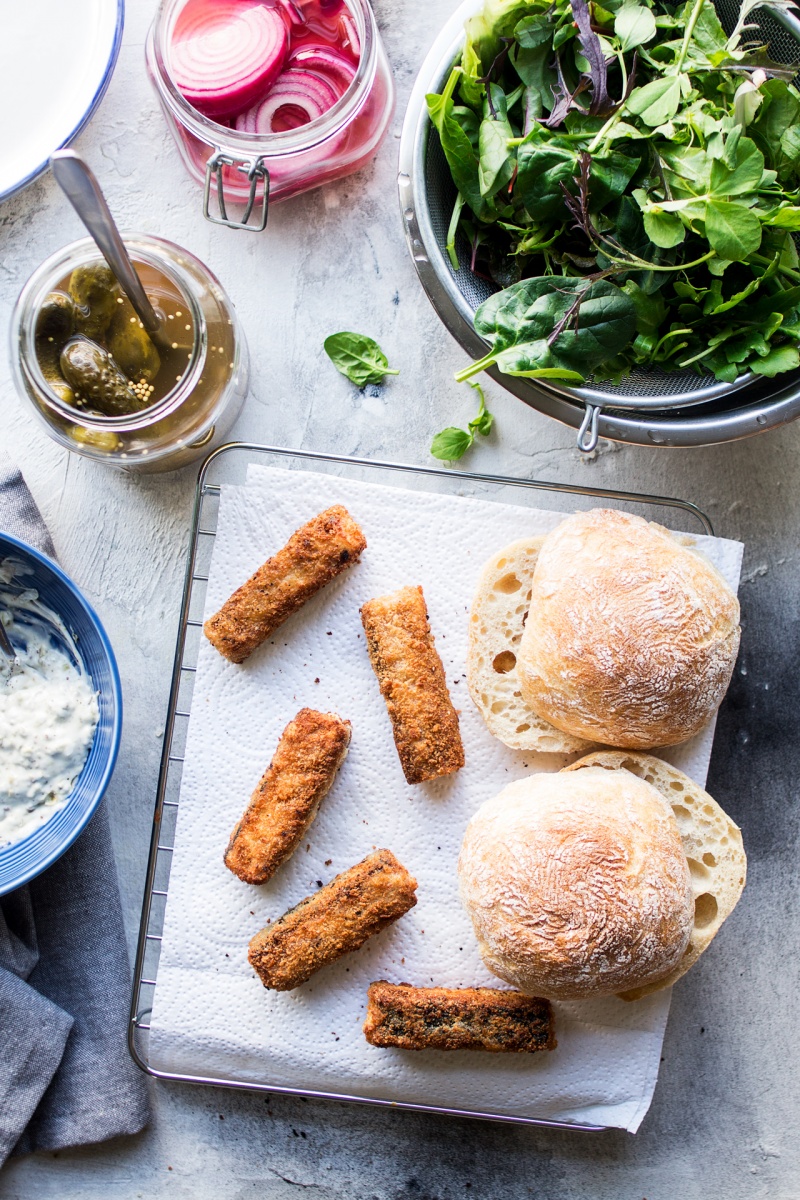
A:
{"x":203,"y":531}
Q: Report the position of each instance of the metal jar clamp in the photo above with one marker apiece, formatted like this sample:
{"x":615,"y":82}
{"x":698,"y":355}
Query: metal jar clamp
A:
{"x":254,"y":169}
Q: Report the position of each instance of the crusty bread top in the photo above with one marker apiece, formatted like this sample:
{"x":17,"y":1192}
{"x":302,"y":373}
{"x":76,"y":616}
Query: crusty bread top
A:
{"x":577,"y":884}
{"x":631,"y":636}
{"x":496,"y":623}
{"x":711,"y":842}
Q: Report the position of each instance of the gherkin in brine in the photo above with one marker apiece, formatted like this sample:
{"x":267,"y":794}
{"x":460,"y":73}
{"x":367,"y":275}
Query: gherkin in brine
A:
{"x":96,"y":379}
{"x":95,"y":292}
{"x":131,"y":347}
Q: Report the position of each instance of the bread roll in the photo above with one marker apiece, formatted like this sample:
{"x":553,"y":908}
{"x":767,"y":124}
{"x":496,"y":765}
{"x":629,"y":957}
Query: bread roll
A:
{"x":496,"y":623}
{"x":577,"y":884}
{"x":711,"y":841}
{"x":631,"y":637}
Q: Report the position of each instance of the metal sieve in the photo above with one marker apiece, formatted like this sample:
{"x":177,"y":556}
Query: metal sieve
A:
{"x":648,"y":407}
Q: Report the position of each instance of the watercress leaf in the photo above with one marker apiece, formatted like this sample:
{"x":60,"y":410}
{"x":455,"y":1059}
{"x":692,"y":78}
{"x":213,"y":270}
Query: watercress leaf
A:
{"x":497,"y":161}
{"x":779,"y":302}
{"x":541,"y":171}
{"x":786,"y":217}
{"x":708,"y":35}
{"x":658,"y":101}
{"x":664,"y":229}
{"x":534,"y":31}
{"x":743,"y":345}
{"x":790,"y":143}
{"x":746,"y":174}
{"x":483,"y":42}
{"x":451,"y":443}
{"x":753,"y":286}
{"x":733,"y":231}
{"x":610,"y":176}
{"x":634,"y":25}
{"x":483,"y":422}
{"x":358,"y":357}
{"x":532,"y":64}
{"x":650,"y":310}
{"x":779,"y":359}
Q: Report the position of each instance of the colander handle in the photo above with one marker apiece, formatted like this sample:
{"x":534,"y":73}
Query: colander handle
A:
{"x":588,"y":432}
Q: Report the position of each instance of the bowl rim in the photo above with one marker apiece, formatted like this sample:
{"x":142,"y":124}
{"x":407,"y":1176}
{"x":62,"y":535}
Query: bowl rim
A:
{"x":116,"y":731}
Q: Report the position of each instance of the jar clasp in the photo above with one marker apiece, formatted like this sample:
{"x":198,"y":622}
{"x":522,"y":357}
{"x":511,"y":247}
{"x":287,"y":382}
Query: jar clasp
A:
{"x":254,"y":169}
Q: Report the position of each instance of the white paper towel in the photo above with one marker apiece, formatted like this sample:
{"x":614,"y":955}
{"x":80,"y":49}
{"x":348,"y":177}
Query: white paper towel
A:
{"x":211,"y":1014}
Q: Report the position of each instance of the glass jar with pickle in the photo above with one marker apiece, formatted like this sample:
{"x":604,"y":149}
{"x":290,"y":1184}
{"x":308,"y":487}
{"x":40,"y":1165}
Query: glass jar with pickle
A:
{"x":106,"y":389}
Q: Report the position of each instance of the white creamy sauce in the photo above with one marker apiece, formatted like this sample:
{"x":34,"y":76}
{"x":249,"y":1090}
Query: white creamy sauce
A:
{"x":48,"y":711}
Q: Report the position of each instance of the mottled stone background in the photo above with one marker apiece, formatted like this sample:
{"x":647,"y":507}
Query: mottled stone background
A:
{"x":723,"y":1122}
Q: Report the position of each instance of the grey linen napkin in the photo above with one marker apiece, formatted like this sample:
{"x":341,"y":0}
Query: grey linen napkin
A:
{"x":65,"y":1075}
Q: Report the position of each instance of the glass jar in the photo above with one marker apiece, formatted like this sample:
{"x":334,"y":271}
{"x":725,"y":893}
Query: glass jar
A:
{"x":255,"y":169}
{"x":192,"y":418}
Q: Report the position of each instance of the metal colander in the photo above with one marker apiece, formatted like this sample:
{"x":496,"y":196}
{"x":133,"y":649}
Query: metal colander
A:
{"x":648,"y":406}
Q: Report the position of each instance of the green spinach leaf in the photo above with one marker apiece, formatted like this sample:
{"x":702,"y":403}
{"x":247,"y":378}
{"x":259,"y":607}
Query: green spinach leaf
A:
{"x":358,"y":357}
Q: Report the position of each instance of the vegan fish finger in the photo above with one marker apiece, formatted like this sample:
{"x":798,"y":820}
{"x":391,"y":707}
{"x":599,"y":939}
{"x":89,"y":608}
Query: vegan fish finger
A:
{"x":412,"y":682}
{"x":313,"y":556}
{"x":335,"y":920}
{"x":312,"y":748}
{"x":440,"y":1018}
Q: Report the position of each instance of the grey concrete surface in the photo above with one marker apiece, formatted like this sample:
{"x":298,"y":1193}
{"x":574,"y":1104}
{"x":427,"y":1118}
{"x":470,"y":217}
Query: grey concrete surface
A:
{"x":723,"y":1122}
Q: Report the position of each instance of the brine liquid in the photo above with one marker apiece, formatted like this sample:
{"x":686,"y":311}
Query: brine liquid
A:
{"x":175,"y":351}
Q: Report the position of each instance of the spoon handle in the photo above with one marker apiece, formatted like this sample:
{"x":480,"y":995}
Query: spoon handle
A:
{"x":81,"y":188}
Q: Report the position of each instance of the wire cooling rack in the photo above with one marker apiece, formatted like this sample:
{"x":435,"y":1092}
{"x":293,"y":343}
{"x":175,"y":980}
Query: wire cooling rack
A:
{"x":229,"y":464}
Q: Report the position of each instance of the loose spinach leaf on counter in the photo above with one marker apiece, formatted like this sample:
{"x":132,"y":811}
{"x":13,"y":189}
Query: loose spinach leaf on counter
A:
{"x":627,"y":174}
{"x":453,"y":443}
{"x":358,"y":357}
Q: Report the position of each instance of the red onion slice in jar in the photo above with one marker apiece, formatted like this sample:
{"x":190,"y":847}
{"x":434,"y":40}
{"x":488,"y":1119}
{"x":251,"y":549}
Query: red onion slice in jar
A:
{"x":333,"y":67}
{"x":226,"y":56}
{"x":349,"y":34}
{"x":292,"y":13}
{"x":297,"y":98}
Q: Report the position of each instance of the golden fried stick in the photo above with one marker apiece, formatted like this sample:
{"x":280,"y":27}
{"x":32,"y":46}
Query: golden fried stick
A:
{"x":440,"y":1018}
{"x":412,"y":682}
{"x":339,"y":918}
{"x":311,"y":750}
{"x":313,"y":556}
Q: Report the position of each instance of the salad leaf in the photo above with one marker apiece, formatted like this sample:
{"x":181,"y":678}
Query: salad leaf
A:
{"x":628,"y":176}
{"x":634,"y":25}
{"x":734,"y":232}
{"x":358,"y":357}
{"x":453,"y":443}
{"x":553,"y":327}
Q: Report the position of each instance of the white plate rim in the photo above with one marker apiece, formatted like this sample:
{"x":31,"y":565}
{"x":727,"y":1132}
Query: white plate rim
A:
{"x":108,"y":71}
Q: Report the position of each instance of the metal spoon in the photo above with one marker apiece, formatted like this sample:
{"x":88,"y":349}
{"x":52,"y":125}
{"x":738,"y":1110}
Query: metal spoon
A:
{"x":77,"y":180}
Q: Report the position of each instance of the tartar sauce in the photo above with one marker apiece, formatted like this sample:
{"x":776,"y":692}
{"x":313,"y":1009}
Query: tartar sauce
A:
{"x":48,"y":711}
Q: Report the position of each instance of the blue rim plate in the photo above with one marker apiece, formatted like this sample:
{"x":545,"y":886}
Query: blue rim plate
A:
{"x":57,"y":59}
{"x":23,"y":860}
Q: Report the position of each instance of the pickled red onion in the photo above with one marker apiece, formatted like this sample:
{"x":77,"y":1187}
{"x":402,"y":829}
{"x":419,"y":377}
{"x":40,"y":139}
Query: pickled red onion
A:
{"x":292,"y":13}
{"x":299,"y":93}
{"x":227,"y":56}
{"x":349,"y":34}
{"x":333,"y":67}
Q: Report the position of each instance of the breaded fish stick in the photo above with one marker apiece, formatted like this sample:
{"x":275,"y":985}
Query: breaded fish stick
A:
{"x":457,"y":1019}
{"x":332,"y":922}
{"x":412,"y":682}
{"x":313,"y":556}
{"x":311,"y":750}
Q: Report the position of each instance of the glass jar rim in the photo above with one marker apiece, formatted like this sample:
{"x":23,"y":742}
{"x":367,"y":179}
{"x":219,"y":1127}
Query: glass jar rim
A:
{"x":291,"y":141}
{"x":142,"y":247}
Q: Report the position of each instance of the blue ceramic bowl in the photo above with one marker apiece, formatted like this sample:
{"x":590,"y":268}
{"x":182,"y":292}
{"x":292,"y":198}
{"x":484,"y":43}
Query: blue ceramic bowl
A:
{"x":23,"y":860}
